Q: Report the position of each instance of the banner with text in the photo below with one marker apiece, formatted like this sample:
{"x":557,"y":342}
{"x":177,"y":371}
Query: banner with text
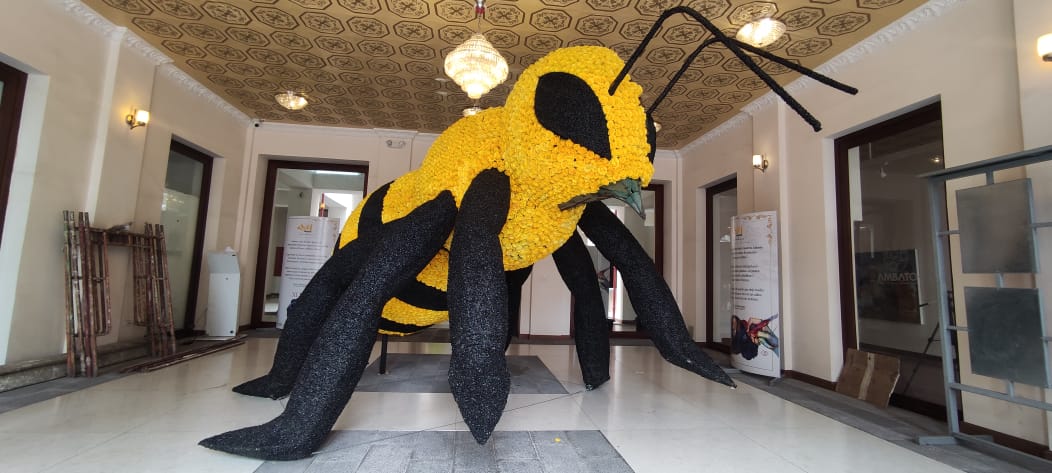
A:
{"x":755,"y":294}
{"x":309,"y":242}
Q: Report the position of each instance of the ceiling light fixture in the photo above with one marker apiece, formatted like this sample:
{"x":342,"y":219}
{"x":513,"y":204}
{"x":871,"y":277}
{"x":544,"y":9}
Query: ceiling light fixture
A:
{"x":472,"y":110}
{"x":291,"y":100}
{"x":762,"y":32}
{"x":476,"y":66}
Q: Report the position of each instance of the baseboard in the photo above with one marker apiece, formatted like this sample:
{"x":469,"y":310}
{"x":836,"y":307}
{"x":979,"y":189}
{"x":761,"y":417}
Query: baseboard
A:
{"x":545,"y":338}
{"x":920,"y":406}
{"x":714,"y":347}
{"x":1015,"y":443}
{"x":812,"y":380}
{"x":26,"y":373}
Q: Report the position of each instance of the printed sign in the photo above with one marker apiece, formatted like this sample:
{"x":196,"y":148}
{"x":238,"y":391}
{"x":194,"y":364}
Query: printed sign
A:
{"x":755,"y":346}
{"x":309,"y":242}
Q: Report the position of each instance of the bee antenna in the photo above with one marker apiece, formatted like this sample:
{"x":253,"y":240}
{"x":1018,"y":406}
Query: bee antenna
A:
{"x":735,"y":47}
{"x":679,"y":73}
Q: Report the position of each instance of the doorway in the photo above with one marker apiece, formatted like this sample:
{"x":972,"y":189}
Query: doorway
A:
{"x":296,"y":189}
{"x":721,"y":204}
{"x":887,"y":260}
{"x":12,"y":91}
{"x":183,"y":213}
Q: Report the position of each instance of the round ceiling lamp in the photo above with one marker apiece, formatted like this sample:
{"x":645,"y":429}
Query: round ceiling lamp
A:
{"x":762,"y":32}
{"x":291,"y":100}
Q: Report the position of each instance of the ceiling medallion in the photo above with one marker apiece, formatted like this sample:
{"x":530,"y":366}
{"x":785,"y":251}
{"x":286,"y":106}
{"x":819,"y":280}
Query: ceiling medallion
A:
{"x":761,"y":32}
{"x":476,"y":66}
{"x":291,"y":100}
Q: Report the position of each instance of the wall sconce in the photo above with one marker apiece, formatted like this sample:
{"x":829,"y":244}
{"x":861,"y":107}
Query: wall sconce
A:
{"x":137,"y":118}
{"x":1044,"y":47}
{"x":759,"y":162}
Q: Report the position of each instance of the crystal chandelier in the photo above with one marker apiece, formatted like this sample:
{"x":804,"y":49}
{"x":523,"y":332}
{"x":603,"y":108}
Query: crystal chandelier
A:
{"x":761,"y":32}
{"x":291,"y":100}
{"x":476,"y":66}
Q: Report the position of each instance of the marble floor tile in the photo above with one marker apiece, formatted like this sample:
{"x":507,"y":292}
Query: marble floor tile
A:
{"x":650,"y":417}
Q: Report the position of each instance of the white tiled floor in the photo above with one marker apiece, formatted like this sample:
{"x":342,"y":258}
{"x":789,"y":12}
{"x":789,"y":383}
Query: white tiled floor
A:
{"x":659,"y":417}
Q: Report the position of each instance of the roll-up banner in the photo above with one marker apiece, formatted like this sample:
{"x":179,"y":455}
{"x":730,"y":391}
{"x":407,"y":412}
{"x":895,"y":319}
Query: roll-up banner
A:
{"x":309,"y":242}
{"x":755,"y":328}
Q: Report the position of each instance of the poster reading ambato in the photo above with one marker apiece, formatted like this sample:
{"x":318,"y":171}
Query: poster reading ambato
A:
{"x":755,"y":346}
{"x":309,"y":242}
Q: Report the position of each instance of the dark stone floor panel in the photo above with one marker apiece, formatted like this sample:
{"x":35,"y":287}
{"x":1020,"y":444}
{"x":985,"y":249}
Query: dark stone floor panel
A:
{"x":426,"y":373}
{"x":354,"y":451}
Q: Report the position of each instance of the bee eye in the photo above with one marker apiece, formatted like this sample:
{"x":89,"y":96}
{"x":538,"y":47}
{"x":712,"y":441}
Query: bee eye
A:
{"x":567,"y":106}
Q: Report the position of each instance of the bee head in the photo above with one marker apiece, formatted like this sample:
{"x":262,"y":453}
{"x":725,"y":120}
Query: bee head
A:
{"x":565,"y":128}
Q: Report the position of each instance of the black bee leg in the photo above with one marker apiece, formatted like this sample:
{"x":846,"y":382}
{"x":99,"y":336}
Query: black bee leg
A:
{"x":516,"y":278}
{"x":338,"y":357}
{"x":308,"y":312}
{"x":478,"y":305}
{"x":306,"y":316}
{"x":650,"y":295}
{"x":591,"y":329}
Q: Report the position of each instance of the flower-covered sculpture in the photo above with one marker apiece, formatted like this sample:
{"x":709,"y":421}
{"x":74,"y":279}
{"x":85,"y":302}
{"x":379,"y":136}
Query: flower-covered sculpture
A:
{"x":497,"y":192}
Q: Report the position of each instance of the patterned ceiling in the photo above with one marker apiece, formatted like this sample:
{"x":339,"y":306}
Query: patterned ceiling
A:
{"x":378,"y":63}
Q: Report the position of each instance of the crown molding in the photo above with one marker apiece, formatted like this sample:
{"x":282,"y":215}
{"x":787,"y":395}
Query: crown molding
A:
{"x":136,"y":43}
{"x":338,"y":131}
{"x":85,"y":15}
{"x":875,"y":42}
{"x":395,"y":133}
{"x":191,"y":85}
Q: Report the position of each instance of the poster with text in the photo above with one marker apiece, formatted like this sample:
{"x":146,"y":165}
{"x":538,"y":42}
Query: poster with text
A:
{"x":309,"y":242}
{"x":755,"y":346}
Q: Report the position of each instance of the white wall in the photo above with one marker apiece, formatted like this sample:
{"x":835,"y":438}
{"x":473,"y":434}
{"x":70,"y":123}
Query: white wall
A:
{"x":711,"y":160}
{"x":78,"y":154}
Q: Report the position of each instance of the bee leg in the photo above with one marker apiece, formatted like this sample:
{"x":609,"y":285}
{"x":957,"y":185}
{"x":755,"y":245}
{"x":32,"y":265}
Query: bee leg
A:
{"x":338,"y":357}
{"x":651,"y":297}
{"x":591,"y":329}
{"x":307,"y":312}
{"x":516,"y":278}
{"x":478,"y":305}
{"x":306,"y":316}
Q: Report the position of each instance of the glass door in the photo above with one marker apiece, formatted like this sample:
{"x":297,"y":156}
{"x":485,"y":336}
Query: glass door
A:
{"x":887,"y":258}
{"x":721,"y":204}
{"x":183,"y":214}
{"x":298,"y":189}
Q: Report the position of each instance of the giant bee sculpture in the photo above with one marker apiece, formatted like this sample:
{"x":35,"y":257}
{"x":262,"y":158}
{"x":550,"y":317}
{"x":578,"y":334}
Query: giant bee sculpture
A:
{"x":497,"y":192}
